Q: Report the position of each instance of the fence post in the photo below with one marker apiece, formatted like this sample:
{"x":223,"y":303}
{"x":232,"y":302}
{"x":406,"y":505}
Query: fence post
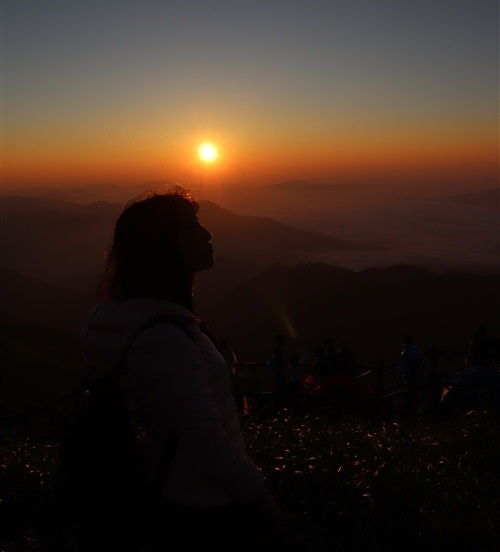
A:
{"x":435,"y":383}
{"x":379,"y":385}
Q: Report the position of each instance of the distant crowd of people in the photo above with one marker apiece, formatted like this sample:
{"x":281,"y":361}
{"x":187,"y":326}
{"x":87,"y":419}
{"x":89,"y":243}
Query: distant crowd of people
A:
{"x":327,"y":361}
{"x":482,"y":362}
{"x":331,"y":368}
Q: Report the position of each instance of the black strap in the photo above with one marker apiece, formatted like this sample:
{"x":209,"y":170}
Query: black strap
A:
{"x":120,"y":366}
{"x":172,"y":439}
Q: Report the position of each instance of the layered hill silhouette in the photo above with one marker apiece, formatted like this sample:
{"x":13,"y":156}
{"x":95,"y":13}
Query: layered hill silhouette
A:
{"x":64,"y":243}
{"x":419,"y":222}
{"x":29,"y":301}
{"x":39,"y":329}
{"x":372,"y":309}
{"x":237,"y":234}
{"x":53,"y":253}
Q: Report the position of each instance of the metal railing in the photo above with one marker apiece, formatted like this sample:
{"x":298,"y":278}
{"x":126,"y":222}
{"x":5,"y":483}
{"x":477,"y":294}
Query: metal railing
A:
{"x":378,"y":375}
{"x":25,"y":419}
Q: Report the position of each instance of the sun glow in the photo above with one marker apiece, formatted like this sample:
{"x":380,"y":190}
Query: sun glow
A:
{"x":207,"y":152}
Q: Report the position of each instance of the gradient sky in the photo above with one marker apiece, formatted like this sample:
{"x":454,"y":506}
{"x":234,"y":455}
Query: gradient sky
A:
{"x":123,"y":91}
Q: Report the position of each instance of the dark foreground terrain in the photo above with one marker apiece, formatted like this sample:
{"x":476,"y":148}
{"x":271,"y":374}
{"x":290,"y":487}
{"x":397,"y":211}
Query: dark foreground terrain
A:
{"x":349,"y":483}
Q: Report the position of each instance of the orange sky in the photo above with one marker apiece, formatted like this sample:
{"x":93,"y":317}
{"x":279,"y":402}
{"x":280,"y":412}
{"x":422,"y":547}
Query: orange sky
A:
{"x":79,"y":162}
{"x":126,"y":96}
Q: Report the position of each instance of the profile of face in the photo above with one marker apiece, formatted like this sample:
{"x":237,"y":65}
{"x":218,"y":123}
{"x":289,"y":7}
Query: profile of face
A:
{"x":195,"y":247}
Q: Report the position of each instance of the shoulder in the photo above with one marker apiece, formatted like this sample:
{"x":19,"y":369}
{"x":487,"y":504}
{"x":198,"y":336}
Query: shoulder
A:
{"x":170,"y":341}
{"x":166,"y":332}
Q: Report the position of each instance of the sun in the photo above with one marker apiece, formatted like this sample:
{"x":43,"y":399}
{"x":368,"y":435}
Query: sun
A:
{"x":208,"y":152}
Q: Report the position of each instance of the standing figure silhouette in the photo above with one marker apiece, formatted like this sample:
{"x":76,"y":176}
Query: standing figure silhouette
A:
{"x":277,"y":362}
{"x":175,"y":379}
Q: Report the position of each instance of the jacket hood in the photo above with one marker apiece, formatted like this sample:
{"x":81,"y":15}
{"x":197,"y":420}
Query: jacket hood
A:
{"x":113,"y":326}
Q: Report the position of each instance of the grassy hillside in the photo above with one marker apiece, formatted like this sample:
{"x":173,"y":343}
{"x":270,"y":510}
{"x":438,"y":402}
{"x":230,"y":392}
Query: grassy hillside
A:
{"x":348,"y":484}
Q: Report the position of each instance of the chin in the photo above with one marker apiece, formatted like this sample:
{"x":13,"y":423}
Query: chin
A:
{"x":207,"y":263}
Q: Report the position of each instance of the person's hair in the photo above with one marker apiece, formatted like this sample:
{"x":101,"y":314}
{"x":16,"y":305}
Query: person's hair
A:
{"x":144,"y":259}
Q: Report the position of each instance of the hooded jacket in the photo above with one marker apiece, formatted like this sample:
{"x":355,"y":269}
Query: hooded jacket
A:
{"x":175,"y":379}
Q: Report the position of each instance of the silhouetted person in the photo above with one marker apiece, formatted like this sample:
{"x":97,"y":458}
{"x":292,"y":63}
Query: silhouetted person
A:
{"x":411,"y":368}
{"x":496,"y":354}
{"x":410,"y":361}
{"x":483,"y":354}
{"x":435,"y":383}
{"x":176,"y":379}
{"x":320,"y":364}
{"x":478,"y":385}
{"x":296,"y":376}
{"x":481,"y":350}
{"x":346,"y":360}
{"x":331,"y":357}
{"x":277,"y":362}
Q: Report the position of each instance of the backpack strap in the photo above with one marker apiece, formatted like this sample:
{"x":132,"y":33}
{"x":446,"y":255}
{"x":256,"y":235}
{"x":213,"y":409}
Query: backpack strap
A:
{"x":120,"y":367}
{"x":172,"y":439}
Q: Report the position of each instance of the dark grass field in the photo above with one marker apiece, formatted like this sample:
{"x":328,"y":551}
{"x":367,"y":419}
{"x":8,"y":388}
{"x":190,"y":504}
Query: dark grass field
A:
{"x":348,"y":483}
{"x":356,"y":484}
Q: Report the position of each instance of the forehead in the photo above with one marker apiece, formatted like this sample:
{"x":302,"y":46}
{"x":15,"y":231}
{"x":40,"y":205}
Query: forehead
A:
{"x":187,"y":213}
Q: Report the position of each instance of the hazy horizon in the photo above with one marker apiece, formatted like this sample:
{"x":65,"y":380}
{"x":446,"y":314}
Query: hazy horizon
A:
{"x":320,"y":91}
